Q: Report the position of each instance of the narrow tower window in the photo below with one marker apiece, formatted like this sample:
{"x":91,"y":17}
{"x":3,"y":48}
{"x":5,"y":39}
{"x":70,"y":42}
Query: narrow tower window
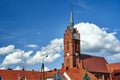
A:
{"x":67,"y":45}
{"x":67,"y":63}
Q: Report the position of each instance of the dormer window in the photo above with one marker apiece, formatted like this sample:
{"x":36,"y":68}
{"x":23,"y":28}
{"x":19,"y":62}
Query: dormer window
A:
{"x":1,"y":78}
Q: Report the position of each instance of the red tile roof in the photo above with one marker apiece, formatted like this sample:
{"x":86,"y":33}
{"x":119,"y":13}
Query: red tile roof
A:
{"x":77,"y":74}
{"x":74,"y":74}
{"x":94,"y":63}
{"x":113,"y":66}
{"x":14,"y":74}
{"x":51,"y":73}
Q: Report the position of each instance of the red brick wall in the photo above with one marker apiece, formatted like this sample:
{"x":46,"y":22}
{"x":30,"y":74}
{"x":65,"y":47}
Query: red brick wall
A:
{"x":71,"y":46}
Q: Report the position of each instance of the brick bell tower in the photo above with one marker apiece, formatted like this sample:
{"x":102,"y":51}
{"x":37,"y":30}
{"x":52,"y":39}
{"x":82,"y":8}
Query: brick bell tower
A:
{"x":71,"y":45}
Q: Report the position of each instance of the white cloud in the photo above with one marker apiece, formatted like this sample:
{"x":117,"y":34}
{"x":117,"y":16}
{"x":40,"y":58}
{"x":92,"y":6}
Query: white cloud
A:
{"x":6,"y":50}
{"x":105,"y":29}
{"x":17,"y":57}
{"x":114,"y":57}
{"x":31,"y":46}
{"x":46,"y":69}
{"x":52,"y":50}
{"x":3,"y":67}
{"x":93,"y":40}
{"x":96,"y":40}
{"x":18,"y":68}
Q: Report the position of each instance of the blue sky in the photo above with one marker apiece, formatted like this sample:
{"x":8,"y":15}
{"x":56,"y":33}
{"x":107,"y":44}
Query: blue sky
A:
{"x":28,"y":26}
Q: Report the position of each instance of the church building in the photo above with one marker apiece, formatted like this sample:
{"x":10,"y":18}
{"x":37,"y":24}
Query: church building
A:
{"x":76,"y":66}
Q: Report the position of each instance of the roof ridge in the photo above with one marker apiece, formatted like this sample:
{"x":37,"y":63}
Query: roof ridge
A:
{"x":92,"y":55}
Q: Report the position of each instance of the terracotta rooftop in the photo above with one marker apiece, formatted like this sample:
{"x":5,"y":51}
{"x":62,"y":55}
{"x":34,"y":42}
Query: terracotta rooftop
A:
{"x":15,"y":74}
{"x":74,"y":74}
{"x":94,"y":63}
{"x":78,"y":74}
{"x":113,"y":66}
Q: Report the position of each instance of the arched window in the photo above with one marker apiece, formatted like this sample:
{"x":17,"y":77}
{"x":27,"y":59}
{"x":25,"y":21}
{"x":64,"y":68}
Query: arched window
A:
{"x":1,"y":78}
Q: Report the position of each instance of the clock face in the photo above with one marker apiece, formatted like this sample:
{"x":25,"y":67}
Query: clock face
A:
{"x":76,"y":54}
{"x":68,"y":54}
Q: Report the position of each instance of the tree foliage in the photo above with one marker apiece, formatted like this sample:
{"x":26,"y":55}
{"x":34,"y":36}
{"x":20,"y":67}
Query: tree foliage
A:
{"x":86,"y":77}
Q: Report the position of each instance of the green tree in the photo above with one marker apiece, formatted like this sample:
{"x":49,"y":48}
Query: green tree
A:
{"x":86,"y":77}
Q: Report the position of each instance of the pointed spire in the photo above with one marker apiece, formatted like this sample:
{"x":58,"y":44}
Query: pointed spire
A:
{"x":71,"y":19}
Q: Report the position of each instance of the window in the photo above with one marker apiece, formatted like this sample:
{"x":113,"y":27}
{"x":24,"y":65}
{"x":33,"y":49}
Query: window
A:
{"x":67,"y":62}
{"x":67,"y":45}
{"x":116,"y":74}
{"x":1,"y":78}
{"x":77,"y":45}
{"x":23,"y":78}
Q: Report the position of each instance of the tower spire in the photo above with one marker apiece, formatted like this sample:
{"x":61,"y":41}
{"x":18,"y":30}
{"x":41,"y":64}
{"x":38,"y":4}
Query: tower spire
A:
{"x":71,"y":18}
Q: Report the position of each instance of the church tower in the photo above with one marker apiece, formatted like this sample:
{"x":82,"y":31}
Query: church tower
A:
{"x":71,"y":45}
